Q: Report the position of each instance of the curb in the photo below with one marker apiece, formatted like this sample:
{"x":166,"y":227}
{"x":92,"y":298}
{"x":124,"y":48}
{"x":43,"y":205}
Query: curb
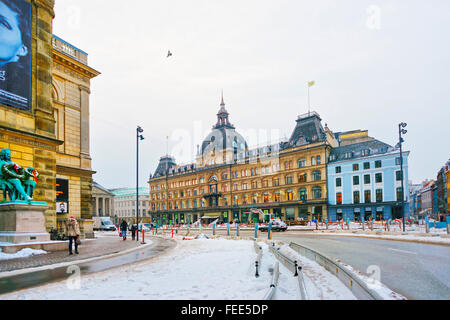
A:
{"x":7,"y":274}
{"x":379,"y":238}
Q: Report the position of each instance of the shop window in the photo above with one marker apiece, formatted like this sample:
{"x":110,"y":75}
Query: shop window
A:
{"x":290,"y":214}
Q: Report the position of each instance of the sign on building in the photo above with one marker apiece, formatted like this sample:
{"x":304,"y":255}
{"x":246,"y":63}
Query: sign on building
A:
{"x":62,"y":196}
{"x":15,"y":53}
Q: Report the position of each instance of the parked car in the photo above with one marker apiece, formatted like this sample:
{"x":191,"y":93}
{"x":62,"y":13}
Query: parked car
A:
{"x":143,"y":226}
{"x":277,"y":225}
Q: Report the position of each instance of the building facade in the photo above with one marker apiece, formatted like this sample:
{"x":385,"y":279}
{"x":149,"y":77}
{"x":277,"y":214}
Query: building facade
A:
{"x":234,"y":183}
{"x":50,"y":131}
{"x":124,"y":204}
{"x":102,"y":201}
{"x":364,"y":180}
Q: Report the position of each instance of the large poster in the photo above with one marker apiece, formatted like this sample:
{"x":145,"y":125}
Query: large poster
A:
{"x":15,"y":53}
{"x":62,"y":196}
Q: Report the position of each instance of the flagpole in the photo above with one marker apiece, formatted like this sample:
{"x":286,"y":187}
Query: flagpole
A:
{"x":309,"y":104}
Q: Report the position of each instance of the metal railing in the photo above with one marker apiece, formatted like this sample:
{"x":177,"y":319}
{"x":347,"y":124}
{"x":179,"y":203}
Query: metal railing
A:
{"x":273,"y":282}
{"x":293,"y":266}
{"x":358,"y":287}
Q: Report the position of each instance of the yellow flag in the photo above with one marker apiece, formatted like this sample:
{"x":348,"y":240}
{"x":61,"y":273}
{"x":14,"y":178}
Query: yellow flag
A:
{"x":311,"y":83}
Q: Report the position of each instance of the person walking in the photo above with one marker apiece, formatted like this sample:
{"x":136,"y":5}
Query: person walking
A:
{"x":73,"y":232}
{"x":133,"y":231}
{"x":123,"y":229}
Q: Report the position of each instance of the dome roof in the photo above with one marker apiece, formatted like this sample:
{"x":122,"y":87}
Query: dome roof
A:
{"x":223,"y":135}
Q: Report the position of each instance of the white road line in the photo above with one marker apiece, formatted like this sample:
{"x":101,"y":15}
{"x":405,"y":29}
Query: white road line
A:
{"x":404,"y":251}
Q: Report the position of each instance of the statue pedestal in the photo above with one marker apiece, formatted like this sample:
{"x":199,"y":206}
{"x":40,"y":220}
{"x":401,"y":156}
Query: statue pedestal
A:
{"x":23,"y":222}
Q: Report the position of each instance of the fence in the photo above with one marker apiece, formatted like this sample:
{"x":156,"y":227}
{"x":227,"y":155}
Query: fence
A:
{"x":358,"y":287}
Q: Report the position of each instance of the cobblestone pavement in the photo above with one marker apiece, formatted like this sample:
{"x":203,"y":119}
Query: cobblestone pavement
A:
{"x":102,"y":245}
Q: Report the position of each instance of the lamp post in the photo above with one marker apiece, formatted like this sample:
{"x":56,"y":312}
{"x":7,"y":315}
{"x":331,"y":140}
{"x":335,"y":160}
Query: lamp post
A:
{"x":139,"y":136}
{"x":401,"y":131}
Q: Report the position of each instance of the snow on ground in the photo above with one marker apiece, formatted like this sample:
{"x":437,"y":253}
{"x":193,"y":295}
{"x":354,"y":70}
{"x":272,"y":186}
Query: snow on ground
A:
{"x":195,"y":270}
{"x":26,"y":252}
{"x":319,"y":283}
{"x":198,"y":269}
{"x":374,"y":284}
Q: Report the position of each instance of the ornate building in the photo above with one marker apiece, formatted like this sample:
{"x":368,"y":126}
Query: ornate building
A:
{"x":229,"y":181}
{"x":50,"y":131}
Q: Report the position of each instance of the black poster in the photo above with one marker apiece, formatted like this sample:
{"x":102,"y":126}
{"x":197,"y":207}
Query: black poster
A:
{"x":15,"y":53}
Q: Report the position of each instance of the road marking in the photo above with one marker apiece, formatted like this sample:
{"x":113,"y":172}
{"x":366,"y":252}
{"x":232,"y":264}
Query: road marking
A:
{"x":404,"y":251}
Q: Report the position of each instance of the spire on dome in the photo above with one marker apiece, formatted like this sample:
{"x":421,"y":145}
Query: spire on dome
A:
{"x":222,"y":116}
{"x":223,"y":103}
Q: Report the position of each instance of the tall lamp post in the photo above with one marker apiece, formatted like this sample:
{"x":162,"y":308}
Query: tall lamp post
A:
{"x":401,"y":131}
{"x":139,"y":136}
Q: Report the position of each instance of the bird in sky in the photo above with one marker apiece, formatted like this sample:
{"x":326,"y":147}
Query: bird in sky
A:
{"x":169,"y":54}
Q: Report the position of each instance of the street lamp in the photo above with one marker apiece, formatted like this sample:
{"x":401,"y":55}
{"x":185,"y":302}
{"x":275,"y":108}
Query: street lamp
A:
{"x":401,"y":131}
{"x":139,"y":137}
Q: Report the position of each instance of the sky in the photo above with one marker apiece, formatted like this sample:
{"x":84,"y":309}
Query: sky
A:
{"x":375,"y":64}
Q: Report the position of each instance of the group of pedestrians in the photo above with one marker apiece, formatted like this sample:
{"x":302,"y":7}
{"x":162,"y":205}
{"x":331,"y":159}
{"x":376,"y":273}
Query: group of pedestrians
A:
{"x":124,"y":230}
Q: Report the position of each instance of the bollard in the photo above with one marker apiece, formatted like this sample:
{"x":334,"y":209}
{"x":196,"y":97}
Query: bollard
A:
{"x":228,"y":229}
{"x":348,"y":224}
{"x":363,"y":222}
{"x":257,"y":274}
{"x":214,"y":229}
{"x":237,"y":229}
{"x":143,"y":236}
{"x":153,"y":231}
{"x":317,"y":225}
{"x":296,"y":267}
{"x":427,"y":227}
{"x":326,"y":223}
{"x":371,"y":225}
{"x":269,"y":230}
{"x":256,"y":230}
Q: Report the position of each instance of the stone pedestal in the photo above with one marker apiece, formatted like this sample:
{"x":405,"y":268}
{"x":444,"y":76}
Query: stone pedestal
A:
{"x":23,"y":222}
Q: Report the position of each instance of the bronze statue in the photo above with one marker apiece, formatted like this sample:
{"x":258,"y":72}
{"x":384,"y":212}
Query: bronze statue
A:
{"x":18,"y":183}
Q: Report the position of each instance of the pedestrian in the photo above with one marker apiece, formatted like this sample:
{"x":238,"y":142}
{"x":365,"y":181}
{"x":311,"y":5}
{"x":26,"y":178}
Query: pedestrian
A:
{"x":73,"y":232}
{"x":123,"y":228}
{"x":133,"y":231}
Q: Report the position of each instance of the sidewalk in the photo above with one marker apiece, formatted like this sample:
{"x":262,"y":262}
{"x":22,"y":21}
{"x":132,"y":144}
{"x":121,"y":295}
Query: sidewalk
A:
{"x":90,"y":248}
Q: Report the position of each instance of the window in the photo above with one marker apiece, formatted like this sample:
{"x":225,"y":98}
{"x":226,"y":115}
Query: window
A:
{"x":265,"y":183}
{"x":355,"y":196}
{"x":399,"y":194}
{"x":301,"y":163}
{"x":397,"y":161}
{"x":398,"y":176}
{"x":317,"y":192}
{"x":367,"y":179}
{"x":338,"y":182}
{"x":244,"y":186}
{"x":339,"y":198}
{"x":318,"y":160}
{"x":379,"y":195}
{"x":255,"y":198}
{"x":367,"y":197}
{"x":289,"y":195}
{"x":356,"y":180}
{"x":276,"y":182}
{"x":355,"y":167}
{"x":338,"y":169}
{"x":289,"y":179}
{"x":277,"y":197}
{"x":313,"y":161}
{"x":378,"y":177}
{"x":266,"y":197}
{"x":378,"y":164}
{"x":316,"y":176}
{"x":302,"y":178}
{"x":302,"y":195}
{"x":245,"y":199}
{"x":366,"y":165}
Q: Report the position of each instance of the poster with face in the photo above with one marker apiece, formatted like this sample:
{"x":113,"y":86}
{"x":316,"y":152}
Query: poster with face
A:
{"x":61,"y":207}
{"x":15,"y":53}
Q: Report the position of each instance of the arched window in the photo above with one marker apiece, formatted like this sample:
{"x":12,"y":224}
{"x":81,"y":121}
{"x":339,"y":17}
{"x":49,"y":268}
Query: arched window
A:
{"x":317,"y":192}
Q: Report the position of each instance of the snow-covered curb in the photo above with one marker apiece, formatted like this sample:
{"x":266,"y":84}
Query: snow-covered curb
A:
{"x":24,"y":253}
{"x":432,"y":239}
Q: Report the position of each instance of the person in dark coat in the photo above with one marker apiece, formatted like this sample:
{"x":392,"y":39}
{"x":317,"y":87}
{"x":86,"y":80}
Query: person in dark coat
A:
{"x":123,"y":228}
{"x":133,"y":231}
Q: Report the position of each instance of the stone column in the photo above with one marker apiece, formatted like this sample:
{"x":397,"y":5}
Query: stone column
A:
{"x":84,"y":127}
{"x":96,"y":206}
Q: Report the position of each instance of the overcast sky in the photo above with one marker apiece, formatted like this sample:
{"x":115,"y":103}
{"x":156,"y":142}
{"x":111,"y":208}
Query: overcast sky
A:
{"x":375,"y":64}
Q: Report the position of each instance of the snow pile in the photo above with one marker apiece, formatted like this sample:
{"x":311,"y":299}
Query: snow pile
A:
{"x":24,"y":253}
{"x":374,"y":284}
{"x":201,"y":236}
{"x":319,"y":283}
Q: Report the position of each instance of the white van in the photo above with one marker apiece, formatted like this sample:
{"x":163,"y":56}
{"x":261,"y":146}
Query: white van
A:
{"x":103,"y":224}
